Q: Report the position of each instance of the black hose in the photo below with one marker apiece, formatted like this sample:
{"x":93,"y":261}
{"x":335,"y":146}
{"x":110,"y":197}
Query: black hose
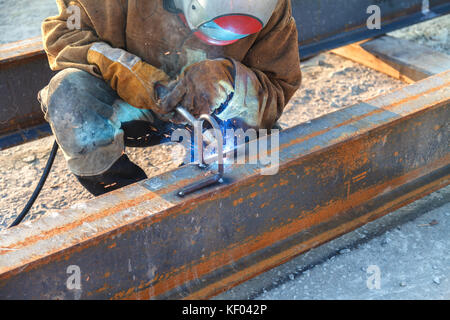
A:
{"x":39,"y":187}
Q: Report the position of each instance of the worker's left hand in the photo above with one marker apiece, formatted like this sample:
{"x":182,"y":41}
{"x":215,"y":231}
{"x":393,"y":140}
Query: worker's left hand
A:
{"x":202,"y":88}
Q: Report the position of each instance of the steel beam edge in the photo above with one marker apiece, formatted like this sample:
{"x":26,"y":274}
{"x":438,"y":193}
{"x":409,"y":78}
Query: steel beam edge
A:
{"x":143,"y":242}
{"x":27,"y":135}
{"x":24,"y":71}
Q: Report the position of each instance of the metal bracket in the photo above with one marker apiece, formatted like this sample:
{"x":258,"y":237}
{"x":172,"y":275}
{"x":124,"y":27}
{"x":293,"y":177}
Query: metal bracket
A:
{"x":198,"y":140}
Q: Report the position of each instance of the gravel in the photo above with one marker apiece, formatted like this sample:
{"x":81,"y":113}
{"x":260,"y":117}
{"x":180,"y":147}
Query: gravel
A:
{"x":433,"y":33}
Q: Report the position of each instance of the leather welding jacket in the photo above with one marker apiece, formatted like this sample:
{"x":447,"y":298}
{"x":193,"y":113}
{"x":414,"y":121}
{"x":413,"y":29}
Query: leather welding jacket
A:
{"x":267,"y":64}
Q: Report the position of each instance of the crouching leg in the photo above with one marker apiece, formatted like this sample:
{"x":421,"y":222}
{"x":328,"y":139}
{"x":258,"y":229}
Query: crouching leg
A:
{"x":86,"y":117}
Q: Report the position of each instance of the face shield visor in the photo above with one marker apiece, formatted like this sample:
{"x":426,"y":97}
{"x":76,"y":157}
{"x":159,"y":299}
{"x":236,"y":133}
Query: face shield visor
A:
{"x":223,"y":22}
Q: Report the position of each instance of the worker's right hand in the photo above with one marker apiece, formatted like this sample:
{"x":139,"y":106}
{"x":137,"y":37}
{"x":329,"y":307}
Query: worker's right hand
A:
{"x":133,"y":79}
{"x":202,"y":88}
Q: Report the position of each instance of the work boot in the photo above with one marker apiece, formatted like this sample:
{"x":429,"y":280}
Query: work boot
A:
{"x":122,"y":173}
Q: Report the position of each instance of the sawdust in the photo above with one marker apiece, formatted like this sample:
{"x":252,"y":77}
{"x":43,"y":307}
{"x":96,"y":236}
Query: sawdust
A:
{"x":329,"y":83}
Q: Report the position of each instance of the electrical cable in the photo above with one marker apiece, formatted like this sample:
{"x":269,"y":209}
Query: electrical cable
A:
{"x":39,"y":187}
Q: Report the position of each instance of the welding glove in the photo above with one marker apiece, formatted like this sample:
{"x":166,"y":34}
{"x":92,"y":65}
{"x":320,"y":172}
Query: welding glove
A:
{"x":202,"y":88}
{"x":133,"y":79}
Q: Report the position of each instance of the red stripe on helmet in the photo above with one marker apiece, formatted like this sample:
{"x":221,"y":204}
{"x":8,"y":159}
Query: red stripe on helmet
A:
{"x":239,"y":24}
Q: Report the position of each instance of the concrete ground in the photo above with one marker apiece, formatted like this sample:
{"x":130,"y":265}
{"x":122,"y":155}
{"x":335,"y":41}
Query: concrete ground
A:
{"x":404,"y":255}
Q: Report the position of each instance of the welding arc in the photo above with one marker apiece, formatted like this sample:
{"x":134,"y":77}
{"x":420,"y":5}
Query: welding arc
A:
{"x":39,"y":187}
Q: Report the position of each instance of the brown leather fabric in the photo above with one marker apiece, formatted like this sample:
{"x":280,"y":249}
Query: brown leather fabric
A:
{"x":268,"y":61}
{"x":203,"y":87}
{"x":133,"y":79}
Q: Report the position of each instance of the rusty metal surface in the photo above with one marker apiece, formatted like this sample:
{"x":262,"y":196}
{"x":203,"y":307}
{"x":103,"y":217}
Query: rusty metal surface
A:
{"x":20,"y":50}
{"x":323,"y":25}
{"x":336,"y":173}
{"x":23,"y":72}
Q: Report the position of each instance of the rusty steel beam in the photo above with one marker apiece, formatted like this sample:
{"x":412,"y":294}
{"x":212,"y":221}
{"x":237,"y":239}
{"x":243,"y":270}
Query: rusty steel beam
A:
{"x":336,"y":173}
{"x":23,"y":72}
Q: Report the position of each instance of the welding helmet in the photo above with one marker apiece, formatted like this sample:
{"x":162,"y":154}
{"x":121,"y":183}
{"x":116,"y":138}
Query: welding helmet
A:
{"x":223,"y":22}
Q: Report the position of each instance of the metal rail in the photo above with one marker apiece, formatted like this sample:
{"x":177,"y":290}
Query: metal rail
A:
{"x":323,"y":25}
{"x":329,"y":24}
{"x":335,"y":174}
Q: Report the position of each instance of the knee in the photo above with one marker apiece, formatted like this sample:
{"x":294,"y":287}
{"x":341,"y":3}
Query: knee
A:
{"x":72,"y":89}
{"x":68,"y":87}
{"x":69,"y":80}
{"x":78,"y":106}
{"x":62,"y":98}
{"x":63,"y":89}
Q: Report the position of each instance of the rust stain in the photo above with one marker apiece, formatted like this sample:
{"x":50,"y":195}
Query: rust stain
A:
{"x":102,"y":214}
{"x":414,"y":97}
{"x":360,"y":177}
{"x":70,"y":226}
{"x":358,"y":118}
{"x":103,"y":289}
{"x":238,"y":202}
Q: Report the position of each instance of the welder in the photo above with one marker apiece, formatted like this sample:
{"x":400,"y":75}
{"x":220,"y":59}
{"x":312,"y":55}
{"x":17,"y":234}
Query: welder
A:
{"x":236,"y":59}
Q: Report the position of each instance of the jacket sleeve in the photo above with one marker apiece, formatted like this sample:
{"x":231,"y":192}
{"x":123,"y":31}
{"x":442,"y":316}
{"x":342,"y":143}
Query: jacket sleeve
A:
{"x":68,"y":37}
{"x":270,"y":73}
